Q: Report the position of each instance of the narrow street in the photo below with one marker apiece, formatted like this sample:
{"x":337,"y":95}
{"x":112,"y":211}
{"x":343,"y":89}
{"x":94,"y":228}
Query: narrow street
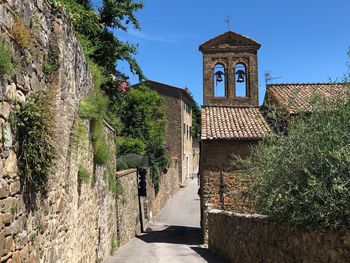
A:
{"x":175,"y":235}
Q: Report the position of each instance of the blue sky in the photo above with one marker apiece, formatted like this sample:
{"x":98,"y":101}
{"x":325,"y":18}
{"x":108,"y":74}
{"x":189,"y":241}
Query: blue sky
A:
{"x":302,"y":41}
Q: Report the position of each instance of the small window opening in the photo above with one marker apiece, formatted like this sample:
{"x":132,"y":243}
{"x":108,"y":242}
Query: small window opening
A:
{"x":241,"y":80}
{"x":219,"y":81}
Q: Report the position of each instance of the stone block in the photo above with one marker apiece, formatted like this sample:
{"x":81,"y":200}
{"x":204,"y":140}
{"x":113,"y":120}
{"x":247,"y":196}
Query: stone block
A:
{"x":20,"y":97}
{"x":4,"y":189}
{"x":6,"y":218}
{"x":34,"y":81}
{"x":10,"y":92}
{"x":10,"y":165}
{"x":14,"y":228}
{"x":10,"y":245}
{"x":33,"y":258}
{"x":5,"y":110}
{"x":7,"y":135}
{"x":2,"y":243}
{"x":15,"y":187}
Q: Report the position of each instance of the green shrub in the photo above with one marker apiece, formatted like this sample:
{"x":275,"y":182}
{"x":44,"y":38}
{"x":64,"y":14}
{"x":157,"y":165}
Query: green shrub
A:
{"x":113,"y":184}
{"x":85,"y":21}
{"x":125,"y":145}
{"x":34,"y":134}
{"x":303,"y":178}
{"x":21,"y":33}
{"x":83,"y":174}
{"x":114,"y":244}
{"x":51,"y":63}
{"x":6,"y":63}
{"x":101,"y":148}
{"x":131,"y":160}
{"x":94,"y":106}
{"x":79,"y":135}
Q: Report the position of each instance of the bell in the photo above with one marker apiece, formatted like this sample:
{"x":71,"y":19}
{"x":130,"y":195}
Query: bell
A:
{"x":218,"y":75}
{"x":240,"y":77}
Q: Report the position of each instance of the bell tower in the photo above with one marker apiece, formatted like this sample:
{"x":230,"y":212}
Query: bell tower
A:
{"x":230,"y":71}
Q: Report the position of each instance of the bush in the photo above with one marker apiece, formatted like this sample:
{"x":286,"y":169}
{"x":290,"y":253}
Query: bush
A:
{"x":101,"y":149}
{"x":130,"y":145}
{"x":83,"y":174}
{"x":303,"y":178}
{"x":94,"y":106}
{"x":51,"y":63}
{"x":6,"y":63}
{"x":21,"y":33}
{"x":131,"y":161}
{"x":34,"y":134}
{"x":79,"y":136}
{"x":113,"y":184}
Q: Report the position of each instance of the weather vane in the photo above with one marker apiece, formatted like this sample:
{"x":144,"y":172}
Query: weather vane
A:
{"x":228,"y":22}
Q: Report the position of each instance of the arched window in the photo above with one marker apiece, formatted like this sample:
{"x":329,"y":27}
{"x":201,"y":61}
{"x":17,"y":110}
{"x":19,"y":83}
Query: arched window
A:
{"x":219,"y":81}
{"x":241,"y":80}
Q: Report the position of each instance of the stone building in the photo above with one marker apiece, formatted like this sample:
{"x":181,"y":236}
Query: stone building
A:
{"x":231,"y":120}
{"x":178,"y":133}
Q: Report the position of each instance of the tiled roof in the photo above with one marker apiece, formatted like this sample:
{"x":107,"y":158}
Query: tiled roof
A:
{"x":233,"y":123}
{"x":296,"y":97}
{"x":167,"y":89}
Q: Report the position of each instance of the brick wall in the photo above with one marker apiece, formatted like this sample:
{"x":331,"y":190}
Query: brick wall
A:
{"x":256,"y":238}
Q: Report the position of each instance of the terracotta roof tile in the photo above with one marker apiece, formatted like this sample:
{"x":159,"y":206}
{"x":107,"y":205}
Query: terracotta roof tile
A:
{"x":233,"y":123}
{"x":296,"y":97}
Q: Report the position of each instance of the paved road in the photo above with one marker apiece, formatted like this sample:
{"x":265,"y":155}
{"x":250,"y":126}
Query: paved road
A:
{"x":175,"y":236}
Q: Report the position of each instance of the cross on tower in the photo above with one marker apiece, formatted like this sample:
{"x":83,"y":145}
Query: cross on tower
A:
{"x":228,"y":22}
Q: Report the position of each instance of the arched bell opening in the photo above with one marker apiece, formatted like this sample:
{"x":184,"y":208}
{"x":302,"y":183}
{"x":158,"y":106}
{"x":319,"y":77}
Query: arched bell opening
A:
{"x":220,"y":89}
{"x":241,"y":79}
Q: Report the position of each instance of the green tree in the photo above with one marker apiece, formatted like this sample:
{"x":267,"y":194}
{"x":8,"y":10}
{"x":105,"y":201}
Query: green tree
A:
{"x":143,"y":117}
{"x":303,"y":178}
{"x":97,"y":30}
{"x":196,"y":120}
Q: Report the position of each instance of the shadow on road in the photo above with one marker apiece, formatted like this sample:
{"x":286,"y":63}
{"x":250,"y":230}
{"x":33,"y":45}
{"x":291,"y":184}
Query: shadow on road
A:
{"x":182,"y":235}
{"x":174,"y":235}
{"x":207,"y":255}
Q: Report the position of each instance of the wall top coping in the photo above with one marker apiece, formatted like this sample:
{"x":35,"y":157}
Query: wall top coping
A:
{"x":125,"y":172}
{"x":109,"y":126}
{"x":234,"y":214}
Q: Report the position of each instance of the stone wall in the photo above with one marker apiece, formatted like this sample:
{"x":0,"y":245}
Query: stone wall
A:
{"x":196,"y":154}
{"x":128,"y":211}
{"x":178,"y":144}
{"x":154,"y":202}
{"x":256,"y":238}
{"x":73,"y":221}
{"x":220,"y":185}
{"x":187,"y":155}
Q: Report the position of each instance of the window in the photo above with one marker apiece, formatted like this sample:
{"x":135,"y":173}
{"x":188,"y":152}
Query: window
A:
{"x":219,"y":81}
{"x":241,"y":80}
